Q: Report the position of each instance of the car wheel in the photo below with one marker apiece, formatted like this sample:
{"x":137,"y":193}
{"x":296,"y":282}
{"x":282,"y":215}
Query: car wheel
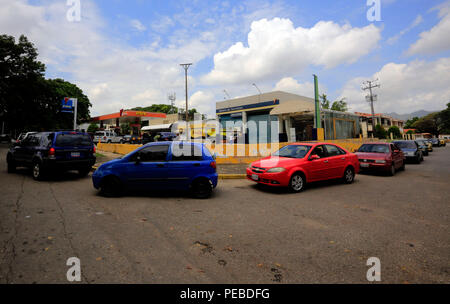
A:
{"x":202,"y":188}
{"x":109,"y":141}
{"x":11,"y":166}
{"x":402,"y":167}
{"x":297,"y":183}
{"x":85,"y":171}
{"x":111,"y":187}
{"x":349,"y":175}
{"x":122,"y":141}
{"x":392,"y":170}
{"x":37,"y":171}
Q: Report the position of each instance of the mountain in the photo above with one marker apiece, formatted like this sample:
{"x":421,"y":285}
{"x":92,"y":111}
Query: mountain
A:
{"x":405,"y":117}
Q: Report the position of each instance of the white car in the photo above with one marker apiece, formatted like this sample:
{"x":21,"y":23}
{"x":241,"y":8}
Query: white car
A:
{"x":107,"y":137}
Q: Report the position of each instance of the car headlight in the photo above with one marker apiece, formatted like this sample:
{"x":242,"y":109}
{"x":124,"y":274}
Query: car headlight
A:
{"x":276,"y":170}
{"x":380,"y":161}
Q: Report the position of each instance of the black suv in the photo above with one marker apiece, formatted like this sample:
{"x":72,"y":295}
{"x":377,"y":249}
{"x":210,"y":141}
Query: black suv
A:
{"x":49,"y":151}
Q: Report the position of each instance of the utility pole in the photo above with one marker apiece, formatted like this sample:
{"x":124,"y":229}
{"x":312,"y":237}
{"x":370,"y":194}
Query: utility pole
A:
{"x":186,"y":67}
{"x":172,"y":97}
{"x":259,"y":98}
{"x":369,"y":85}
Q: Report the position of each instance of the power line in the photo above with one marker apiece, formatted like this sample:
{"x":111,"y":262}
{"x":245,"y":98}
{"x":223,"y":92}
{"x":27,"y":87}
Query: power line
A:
{"x":369,"y":85}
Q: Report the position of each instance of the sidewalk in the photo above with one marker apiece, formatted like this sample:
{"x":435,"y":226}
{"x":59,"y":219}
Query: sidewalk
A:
{"x":226,"y":171}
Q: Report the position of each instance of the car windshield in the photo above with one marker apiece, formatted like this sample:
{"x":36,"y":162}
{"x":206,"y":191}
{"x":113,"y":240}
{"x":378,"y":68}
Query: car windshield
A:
{"x":374,"y":149}
{"x":99,"y":133}
{"x":405,"y":144}
{"x":293,"y":151}
{"x":65,"y":140}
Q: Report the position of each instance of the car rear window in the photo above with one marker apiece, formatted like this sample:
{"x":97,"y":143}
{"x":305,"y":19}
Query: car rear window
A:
{"x":406,"y":144}
{"x":374,"y":149}
{"x":293,"y":151}
{"x":66,"y":140}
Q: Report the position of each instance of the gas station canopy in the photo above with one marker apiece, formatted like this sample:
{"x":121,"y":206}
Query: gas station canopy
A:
{"x":126,"y":116}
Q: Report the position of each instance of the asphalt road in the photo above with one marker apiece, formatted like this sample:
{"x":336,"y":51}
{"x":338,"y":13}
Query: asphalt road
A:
{"x":243,"y":234}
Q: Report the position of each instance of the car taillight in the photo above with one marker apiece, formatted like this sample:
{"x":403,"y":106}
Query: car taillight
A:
{"x":104,"y":137}
{"x":51,"y":151}
{"x":93,"y":150}
{"x":213,"y":165}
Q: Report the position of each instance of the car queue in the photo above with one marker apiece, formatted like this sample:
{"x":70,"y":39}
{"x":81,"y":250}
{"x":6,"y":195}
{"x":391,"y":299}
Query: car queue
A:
{"x":182,"y":165}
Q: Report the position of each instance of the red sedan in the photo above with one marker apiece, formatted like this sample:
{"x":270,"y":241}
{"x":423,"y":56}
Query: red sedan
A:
{"x":296,"y":164}
{"x":381,"y":156}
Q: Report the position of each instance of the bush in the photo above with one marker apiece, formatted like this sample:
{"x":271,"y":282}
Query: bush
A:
{"x":395,"y":132}
{"x":93,"y":127}
{"x":380,"y":132}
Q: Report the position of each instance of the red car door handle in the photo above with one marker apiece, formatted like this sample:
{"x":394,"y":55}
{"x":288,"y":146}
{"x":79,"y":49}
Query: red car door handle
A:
{"x":343,"y":158}
{"x":325,"y":161}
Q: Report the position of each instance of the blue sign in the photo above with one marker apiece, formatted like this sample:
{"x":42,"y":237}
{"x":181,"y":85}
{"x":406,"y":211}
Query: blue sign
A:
{"x":250,"y":106}
{"x":67,"y":105}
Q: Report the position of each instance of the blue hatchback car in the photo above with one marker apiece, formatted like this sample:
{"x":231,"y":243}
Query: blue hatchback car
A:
{"x":160,"y":166}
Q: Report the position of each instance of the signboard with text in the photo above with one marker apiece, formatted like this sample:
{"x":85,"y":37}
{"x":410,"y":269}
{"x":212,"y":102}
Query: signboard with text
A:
{"x":67,"y":105}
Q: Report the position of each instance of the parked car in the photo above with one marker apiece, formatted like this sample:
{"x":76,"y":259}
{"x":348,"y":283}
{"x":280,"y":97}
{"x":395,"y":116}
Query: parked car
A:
{"x":436,"y":142}
{"x":131,"y":139}
{"x":48,"y":151}
{"x":295,"y":165}
{"x":4,"y":138}
{"x":160,"y":166}
{"x":426,"y":143}
{"x":423,"y":145}
{"x":107,"y":137}
{"x":411,"y":150}
{"x":443,"y":142}
{"x":385,"y":157}
{"x":165,"y":136}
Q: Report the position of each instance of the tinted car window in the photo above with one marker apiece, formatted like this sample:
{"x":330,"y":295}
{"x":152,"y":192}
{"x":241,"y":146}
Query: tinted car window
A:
{"x":66,"y":140}
{"x":333,"y":150}
{"x":406,"y":144}
{"x":155,"y":153}
{"x":319,"y":151}
{"x":293,"y":151}
{"x":181,"y":153}
{"x":374,"y":149}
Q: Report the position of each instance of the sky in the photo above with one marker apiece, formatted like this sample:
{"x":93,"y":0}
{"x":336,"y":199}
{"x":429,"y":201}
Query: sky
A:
{"x":124,"y":54}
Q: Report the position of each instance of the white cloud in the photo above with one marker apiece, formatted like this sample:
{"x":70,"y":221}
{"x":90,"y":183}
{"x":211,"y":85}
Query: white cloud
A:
{"x":291,"y":85}
{"x":437,"y":39}
{"x":416,"y":22}
{"x":136,"y":24}
{"x":276,"y":48}
{"x":203,"y":101}
{"x":417,"y":85}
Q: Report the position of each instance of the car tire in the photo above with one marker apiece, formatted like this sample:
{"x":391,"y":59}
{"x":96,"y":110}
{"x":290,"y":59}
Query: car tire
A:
{"x":202,"y":188}
{"x":392,"y":170}
{"x":122,"y":141}
{"x":402,"y":167}
{"x":111,"y":187}
{"x":297,"y":183}
{"x":349,"y":175}
{"x":109,"y":141}
{"x":37,"y":171}
{"x":11,"y":166}
{"x":84,"y":172}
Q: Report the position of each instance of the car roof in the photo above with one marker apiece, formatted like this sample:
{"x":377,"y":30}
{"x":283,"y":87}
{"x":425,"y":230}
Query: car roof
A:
{"x":377,"y":143}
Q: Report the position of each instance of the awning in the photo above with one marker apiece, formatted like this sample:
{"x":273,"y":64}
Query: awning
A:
{"x":292,"y":107}
{"x":156,"y":127}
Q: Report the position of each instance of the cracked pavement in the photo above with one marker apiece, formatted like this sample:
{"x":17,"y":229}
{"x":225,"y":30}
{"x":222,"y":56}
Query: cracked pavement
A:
{"x":243,"y":234}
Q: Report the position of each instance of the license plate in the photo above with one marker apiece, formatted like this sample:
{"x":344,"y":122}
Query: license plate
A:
{"x":75,"y":154}
{"x":364,"y":165}
{"x":255,"y":177}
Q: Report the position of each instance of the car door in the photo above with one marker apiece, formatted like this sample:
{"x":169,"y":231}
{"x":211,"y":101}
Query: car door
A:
{"x":397,"y":157}
{"x":318,"y":169}
{"x":29,"y":148}
{"x":185,"y":163}
{"x":147,"y":168}
{"x":336,"y":161}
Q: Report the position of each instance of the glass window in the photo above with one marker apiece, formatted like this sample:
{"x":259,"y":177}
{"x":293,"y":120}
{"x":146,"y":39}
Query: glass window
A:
{"x":293,"y":151}
{"x":319,"y":151}
{"x":67,"y":140}
{"x":373,"y":148}
{"x":182,"y":153}
{"x":406,"y":144}
{"x":157,"y":153}
{"x":333,"y":150}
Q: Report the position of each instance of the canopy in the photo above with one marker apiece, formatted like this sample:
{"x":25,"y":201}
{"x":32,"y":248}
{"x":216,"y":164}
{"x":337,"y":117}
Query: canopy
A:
{"x":293,"y":106}
{"x":156,"y":127}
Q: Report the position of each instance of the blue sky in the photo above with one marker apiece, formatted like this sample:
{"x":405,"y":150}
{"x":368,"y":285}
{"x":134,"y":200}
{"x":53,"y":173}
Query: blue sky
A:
{"x":126,"y":53}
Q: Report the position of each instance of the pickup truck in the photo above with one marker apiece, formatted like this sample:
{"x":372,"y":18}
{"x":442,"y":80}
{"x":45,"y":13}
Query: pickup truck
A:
{"x":107,"y":137}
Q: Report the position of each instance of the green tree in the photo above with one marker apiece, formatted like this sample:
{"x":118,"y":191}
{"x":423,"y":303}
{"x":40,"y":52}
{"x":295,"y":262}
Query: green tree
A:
{"x":324,"y":102}
{"x":125,"y":128}
{"x":93,"y":127}
{"x":395,"y":132}
{"x":428,"y":124}
{"x":410,"y":132}
{"x":160,"y":108}
{"x":410,"y":122}
{"x":380,"y":132}
{"x":339,"y":105}
{"x":444,"y":120}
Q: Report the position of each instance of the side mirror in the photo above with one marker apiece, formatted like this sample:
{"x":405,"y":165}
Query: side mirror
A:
{"x":138,"y":159}
{"x":396,"y":151}
{"x":314,"y":157}
{"x":214,"y":156}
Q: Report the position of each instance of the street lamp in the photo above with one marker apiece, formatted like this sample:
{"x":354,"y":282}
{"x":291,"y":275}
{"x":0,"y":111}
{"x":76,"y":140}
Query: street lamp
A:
{"x":186,"y":67}
{"x":254,"y":84}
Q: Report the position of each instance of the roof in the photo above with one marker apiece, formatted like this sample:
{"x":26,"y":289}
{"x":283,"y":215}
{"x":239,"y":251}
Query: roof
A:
{"x":293,"y":106}
{"x":128,"y":113}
